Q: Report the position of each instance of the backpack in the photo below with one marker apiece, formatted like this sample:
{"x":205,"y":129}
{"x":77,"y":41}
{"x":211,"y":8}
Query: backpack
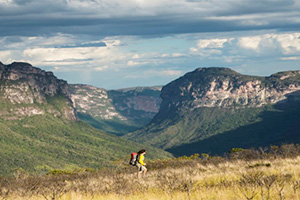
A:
{"x":133,"y":159}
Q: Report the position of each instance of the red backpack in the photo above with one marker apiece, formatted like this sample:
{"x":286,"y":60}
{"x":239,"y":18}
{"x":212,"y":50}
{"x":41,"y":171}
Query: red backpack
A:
{"x":133,"y":159}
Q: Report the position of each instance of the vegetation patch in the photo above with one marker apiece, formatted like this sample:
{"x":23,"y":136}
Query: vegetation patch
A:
{"x":192,"y":178}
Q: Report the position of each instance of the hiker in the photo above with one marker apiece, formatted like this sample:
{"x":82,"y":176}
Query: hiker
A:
{"x":140,"y":163}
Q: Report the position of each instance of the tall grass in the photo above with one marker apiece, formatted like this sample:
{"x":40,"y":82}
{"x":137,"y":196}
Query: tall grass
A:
{"x":243,"y":174}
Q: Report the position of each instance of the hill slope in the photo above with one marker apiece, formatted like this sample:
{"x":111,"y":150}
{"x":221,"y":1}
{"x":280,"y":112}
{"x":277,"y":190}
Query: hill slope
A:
{"x":200,"y":107}
{"x":39,"y":129}
{"x":37,"y":144}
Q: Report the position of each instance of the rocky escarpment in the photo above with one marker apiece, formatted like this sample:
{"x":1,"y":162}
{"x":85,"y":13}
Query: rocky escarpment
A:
{"x":137,"y":103}
{"x":212,"y":101}
{"x":28,"y":88}
{"x":225,"y":88}
{"x":94,"y":101}
{"x":116,"y":111}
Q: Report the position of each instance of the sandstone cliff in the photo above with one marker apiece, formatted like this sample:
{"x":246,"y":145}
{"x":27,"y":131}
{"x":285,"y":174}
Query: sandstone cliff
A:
{"x":116,"y":111}
{"x":29,"y":88}
{"x":223,"y":87}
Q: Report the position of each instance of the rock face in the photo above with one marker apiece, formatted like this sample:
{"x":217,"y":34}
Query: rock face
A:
{"x":94,"y":101}
{"x":28,"y":88}
{"x":116,"y":111}
{"x":211,"y":101}
{"x":137,"y":103}
{"x":225,"y":88}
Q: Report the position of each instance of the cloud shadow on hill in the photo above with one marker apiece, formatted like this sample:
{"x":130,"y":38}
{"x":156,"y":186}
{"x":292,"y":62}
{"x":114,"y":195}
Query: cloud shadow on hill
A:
{"x":276,"y":127}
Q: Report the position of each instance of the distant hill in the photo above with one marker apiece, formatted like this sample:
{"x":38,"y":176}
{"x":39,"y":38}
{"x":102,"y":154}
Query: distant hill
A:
{"x":116,"y":111}
{"x":40,"y":130}
{"x":215,"y":109}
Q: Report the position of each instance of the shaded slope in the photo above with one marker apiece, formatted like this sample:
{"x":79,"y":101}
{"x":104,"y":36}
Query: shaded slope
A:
{"x":278,"y":124}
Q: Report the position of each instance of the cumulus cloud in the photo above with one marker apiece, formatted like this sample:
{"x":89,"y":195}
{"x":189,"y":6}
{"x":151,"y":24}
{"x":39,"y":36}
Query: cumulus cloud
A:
{"x":70,"y":53}
{"x":6,"y":56}
{"x":288,"y":43}
{"x":250,"y":42}
{"x":278,"y":45}
{"x":212,"y":43}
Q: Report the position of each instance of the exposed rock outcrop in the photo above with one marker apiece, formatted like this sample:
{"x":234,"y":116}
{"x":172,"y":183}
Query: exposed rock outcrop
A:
{"x":23,"y":84}
{"x":225,"y":88}
{"x":94,"y":101}
{"x":116,"y":111}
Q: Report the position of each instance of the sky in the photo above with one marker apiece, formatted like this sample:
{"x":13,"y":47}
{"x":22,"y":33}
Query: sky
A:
{"x":115,"y":44}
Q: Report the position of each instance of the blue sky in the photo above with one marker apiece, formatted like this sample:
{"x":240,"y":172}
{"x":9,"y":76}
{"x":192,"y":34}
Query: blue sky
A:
{"x":126,"y":43}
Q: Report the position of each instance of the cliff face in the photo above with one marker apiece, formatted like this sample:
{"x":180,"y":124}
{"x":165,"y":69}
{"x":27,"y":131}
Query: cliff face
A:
{"x":94,"y":102}
{"x":211,"y":101}
{"x":137,"y":103}
{"x":116,"y":111}
{"x":222,"y":87}
{"x":28,"y":88}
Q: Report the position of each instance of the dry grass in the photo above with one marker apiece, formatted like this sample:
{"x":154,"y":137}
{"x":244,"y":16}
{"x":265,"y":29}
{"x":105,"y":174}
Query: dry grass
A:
{"x":265,"y":178}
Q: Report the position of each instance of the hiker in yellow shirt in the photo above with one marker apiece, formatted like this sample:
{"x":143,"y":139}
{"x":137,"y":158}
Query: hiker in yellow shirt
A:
{"x":140,"y":163}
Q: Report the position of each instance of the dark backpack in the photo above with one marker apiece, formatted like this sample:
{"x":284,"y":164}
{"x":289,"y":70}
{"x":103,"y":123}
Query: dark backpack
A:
{"x":134,"y":159}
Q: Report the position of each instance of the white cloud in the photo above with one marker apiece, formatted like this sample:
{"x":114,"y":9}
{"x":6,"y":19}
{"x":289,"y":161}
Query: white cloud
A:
{"x":170,"y":73}
{"x":155,"y":73}
{"x":132,"y":63}
{"x":136,"y":56}
{"x":210,"y":47}
{"x":205,"y":52}
{"x":293,"y":58}
{"x":275,"y":45}
{"x":212,"y":43}
{"x":67,"y":53}
{"x":101,"y":68}
{"x":110,"y":42}
{"x":6,"y":57}
{"x":52,"y":51}
{"x":193,"y":49}
{"x":288,"y":43}
{"x":166,"y":72}
{"x":173,"y":55}
{"x":250,"y":42}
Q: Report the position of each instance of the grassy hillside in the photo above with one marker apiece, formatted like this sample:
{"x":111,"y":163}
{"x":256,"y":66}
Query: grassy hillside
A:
{"x":244,"y":175}
{"x":43,"y":142}
{"x":115,"y":126}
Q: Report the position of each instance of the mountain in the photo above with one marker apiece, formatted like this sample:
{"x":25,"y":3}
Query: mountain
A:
{"x":116,"y":111}
{"x":215,"y":109}
{"x":39,"y":128}
{"x":41,"y":92}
